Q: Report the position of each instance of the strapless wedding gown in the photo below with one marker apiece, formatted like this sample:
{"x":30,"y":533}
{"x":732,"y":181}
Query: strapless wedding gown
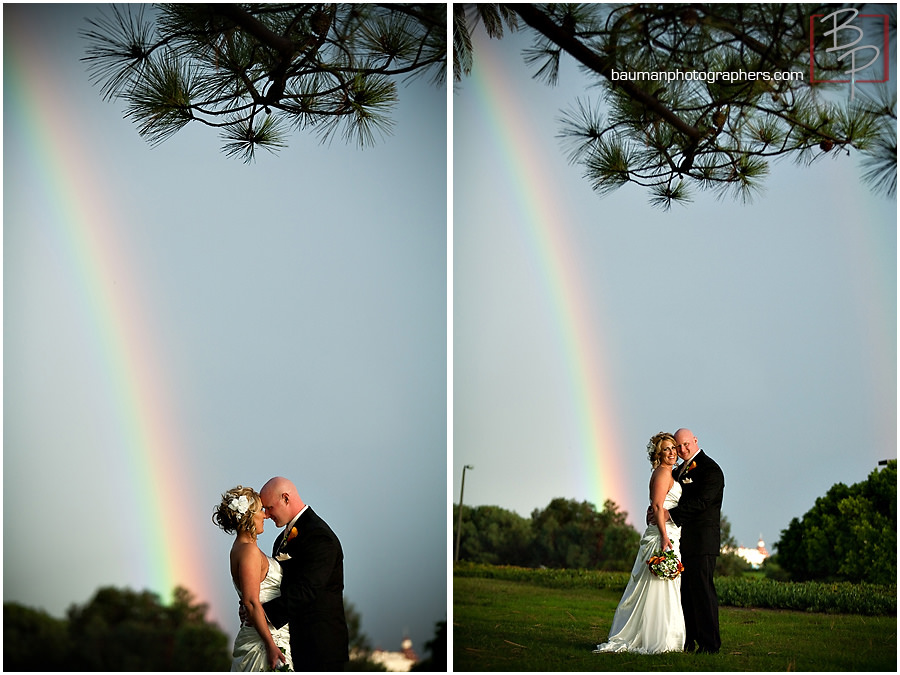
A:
{"x":249,"y":651}
{"x":649,"y":619}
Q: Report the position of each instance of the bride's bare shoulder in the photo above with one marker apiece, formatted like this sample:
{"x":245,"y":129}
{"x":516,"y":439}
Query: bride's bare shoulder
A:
{"x":663,"y":470}
{"x":662,"y":474}
{"x":247,"y":555}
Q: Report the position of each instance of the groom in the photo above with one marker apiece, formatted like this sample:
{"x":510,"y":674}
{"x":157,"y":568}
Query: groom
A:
{"x":698,"y":513}
{"x":312,"y":587}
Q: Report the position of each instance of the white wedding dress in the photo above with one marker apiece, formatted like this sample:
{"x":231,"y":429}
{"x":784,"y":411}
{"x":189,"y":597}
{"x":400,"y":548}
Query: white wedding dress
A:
{"x":249,"y":650}
{"x":649,"y":619}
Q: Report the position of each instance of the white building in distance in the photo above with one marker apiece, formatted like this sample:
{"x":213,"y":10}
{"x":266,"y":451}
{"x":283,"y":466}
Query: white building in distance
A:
{"x":755,"y":556}
{"x":395,"y":662}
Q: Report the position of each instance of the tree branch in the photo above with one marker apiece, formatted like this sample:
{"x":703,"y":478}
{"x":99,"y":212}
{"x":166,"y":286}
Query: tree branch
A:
{"x":602,"y":65}
{"x":256,"y":28}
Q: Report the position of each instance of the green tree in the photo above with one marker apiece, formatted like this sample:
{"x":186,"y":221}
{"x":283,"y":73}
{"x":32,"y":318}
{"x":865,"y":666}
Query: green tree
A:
{"x":436,"y":661}
{"x":773,"y":570}
{"x":619,"y":540}
{"x":359,"y":641}
{"x":127,"y":630}
{"x":33,"y":640}
{"x":566,"y":534}
{"x":672,"y":135}
{"x":729,"y":563}
{"x":493,"y":535}
{"x":254,"y":72}
{"x":573,"y":534}
{"x":849,"y":534}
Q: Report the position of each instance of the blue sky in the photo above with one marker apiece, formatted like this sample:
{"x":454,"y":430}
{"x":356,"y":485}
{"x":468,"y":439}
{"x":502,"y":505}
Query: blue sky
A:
{"x":769,"y":329}
{"x":296,"y":313}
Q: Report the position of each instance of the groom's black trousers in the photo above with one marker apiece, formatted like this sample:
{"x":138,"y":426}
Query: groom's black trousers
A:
{"x":700,"y":604}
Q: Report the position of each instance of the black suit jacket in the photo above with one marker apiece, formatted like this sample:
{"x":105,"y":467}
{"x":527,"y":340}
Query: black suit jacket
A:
{"x":312,"y":595}
{"x":699,"y":511}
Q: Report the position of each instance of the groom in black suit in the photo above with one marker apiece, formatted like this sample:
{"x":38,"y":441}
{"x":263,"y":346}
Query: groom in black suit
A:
{"x":699,"y":514}
{"x":312,"y":586}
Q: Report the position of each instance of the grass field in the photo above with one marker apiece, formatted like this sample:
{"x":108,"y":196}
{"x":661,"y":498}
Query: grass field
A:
{"x":515,"y":626}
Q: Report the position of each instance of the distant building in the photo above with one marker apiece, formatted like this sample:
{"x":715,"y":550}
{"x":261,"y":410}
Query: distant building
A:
{"x":755,"y":556}
{"x":396,"y":662}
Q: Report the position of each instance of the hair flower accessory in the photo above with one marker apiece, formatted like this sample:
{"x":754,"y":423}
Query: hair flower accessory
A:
{"x":240,"y":504}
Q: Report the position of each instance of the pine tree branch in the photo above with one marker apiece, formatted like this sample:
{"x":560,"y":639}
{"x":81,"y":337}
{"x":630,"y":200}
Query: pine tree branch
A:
{"x":282,"y":45}
{"x":603,"y":65}
{"x":256,"y":28}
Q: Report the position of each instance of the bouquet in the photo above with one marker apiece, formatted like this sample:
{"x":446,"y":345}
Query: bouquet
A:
{"x":284,"y":667}
{"x":665,"y":565}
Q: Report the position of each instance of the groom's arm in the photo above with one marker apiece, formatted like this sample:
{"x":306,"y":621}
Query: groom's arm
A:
{"x":304,"y":577}
{"x":710,"y":487}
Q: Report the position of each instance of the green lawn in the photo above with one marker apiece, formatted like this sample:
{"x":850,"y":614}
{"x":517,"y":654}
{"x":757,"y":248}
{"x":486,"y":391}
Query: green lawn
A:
{"x":516,"y":626}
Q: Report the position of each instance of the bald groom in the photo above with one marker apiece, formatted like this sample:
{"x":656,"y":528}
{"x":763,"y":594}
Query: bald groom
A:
{"x":312,"y":586}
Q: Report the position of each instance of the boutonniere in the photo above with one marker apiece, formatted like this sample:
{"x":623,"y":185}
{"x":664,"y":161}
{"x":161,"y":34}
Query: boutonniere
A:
{"x":292,"y":533}
{"x":692,"y":466}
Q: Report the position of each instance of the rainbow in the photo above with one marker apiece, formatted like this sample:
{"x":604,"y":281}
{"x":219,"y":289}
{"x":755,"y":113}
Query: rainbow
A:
{"x":85,"y":227}
{"x":546,"y":223}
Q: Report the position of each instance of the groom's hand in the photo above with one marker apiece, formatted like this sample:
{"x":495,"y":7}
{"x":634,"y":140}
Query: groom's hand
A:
{"x":242,"y":613}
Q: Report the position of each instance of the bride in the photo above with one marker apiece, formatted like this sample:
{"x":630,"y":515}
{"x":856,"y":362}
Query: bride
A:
{"x":649,"y":618}
{"x":257,"y":578}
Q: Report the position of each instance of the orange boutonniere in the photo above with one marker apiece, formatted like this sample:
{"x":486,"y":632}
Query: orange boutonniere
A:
{"x":692,"y":466}
{"x":292,"y":533}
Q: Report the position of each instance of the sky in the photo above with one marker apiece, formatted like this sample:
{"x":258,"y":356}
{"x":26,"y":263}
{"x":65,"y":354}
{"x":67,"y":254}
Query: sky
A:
{"x":583,"y":325}
{"x":177,"y":323}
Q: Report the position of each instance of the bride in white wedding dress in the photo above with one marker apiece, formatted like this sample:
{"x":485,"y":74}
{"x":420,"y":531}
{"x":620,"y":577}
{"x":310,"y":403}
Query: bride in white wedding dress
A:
{"x":257,"y":579}
{"x":649,"y":618}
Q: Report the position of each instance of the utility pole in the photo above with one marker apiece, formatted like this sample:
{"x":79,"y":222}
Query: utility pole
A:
{"x":459,"y":519}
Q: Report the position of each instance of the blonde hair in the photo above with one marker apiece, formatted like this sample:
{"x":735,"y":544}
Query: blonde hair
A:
{"x":231,"y":520}
{"x":653,"y":451}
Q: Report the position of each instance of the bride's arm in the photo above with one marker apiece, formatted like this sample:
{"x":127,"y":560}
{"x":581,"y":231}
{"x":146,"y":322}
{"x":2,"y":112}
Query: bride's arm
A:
{"x":660,"y":483}
{"x":249,"y":578}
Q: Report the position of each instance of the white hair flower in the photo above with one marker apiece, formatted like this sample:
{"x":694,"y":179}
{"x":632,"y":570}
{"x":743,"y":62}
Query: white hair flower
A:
{"x":240,"y":504}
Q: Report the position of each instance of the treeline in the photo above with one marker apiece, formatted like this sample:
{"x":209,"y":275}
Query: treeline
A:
{"x":850,"y":534}
{"x":126,"y":630}
{"x":568,"y":534}
{"x":118,"y":630}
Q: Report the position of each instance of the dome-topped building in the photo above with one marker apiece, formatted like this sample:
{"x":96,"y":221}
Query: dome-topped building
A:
{"x":755,"y":556}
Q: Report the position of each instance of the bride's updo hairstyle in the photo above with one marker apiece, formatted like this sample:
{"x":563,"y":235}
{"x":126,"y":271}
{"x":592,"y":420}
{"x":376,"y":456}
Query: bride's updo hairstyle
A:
{"x":236,"y":510}
{"x":653,"y":450}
